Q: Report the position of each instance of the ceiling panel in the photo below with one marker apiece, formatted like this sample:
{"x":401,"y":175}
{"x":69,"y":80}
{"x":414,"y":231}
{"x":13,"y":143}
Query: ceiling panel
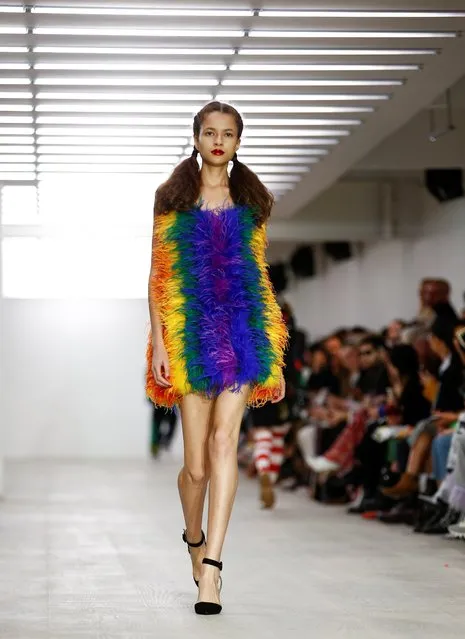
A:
{"x":112,"y":86}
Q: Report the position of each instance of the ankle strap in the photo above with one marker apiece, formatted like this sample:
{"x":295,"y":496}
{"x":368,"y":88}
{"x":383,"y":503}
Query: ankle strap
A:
{"x":197,"y":545}
{"x":212,"y":562}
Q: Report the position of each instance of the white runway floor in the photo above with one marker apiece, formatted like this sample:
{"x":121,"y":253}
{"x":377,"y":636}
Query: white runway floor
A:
{"x":94,"y":550}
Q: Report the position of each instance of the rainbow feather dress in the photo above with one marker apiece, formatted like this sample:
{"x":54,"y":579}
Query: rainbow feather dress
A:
{"x":221,"y":323}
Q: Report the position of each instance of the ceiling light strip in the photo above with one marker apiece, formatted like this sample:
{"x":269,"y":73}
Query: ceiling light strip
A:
{"x":145,"y":33}
{"x":235,"y":82}
{"x":165,"y":51}
{"x":357,"y":35}
{"x":295,"y":52}
{"x":168,"y":97}
{"x":114,"y":11}
{"x":106,"y":66}
{"x":324,"y":67}
{"x":106,"y":81}
{"x":301,"y":97}
{"x":349,"y":13}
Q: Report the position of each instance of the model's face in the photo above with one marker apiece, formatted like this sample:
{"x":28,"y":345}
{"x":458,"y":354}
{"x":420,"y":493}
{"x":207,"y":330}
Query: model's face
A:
{"x":218,"y":140}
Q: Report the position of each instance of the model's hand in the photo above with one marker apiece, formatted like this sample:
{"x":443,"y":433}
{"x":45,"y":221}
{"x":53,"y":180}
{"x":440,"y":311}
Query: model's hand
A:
{"x":282,"y":391}
{"x":160,"y":365}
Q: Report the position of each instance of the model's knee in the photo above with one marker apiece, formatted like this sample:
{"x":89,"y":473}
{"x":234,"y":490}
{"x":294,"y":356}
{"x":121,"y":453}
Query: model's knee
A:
{"x":195,"y":475}
{"x":222,"y":442}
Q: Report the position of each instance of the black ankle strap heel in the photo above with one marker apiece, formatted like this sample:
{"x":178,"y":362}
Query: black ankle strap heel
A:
{"x":208,"y":607}
{"x":192,"y":545}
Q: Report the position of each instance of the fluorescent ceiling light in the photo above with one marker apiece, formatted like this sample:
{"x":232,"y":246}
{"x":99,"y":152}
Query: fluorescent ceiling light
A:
{"x":11,"y":10}
{"x":14,"y":95}
{"x":21,"y":148}
{"x":102,"y":168}
{"x":20,"y":177}
{"x":165,"y":51}
{"x":13,"y":30}
{"x":119,"y":108}
{"x":300,"y":122}
{"x":15,"y":107}
{"x":108,"y":159}
{"x":336,"y":52}
{"x":259,"y":108}
{"x":14,"y":66}
{"x":16,"y":139}
{"x":285,"y":168}
{"x":113,"y":121}
{"x":14,"y":49}
{"x":106,"y":81}
{"x":15,"y":119}
{"x":181,"y":13}
{"x":105,"y":66}
{"x":15,"y":158}
{"x":293,"y":143}
{"x":145,"y":33}
{"x":108,"y":131}
{"x":359,"y":35}
{"x":18,"y":166}
{"x":246,"y":152}
{"x":114,"y":141}
{"x":168,"y":97}
{"x":296,"y":160}
{"x":311,"y":83}
{"x":17,"y":130}
{"x":14,"y":81}
{"x":301,"y":97}
{"x":324,"y":67}
{"x":312,"y":13}
{"x":168,"y":153}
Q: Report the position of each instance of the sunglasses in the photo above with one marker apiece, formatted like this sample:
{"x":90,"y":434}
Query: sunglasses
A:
{"x":370,"y":352}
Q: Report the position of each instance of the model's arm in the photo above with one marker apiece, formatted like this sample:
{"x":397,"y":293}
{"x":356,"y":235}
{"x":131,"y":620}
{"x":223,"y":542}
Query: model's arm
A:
{"x":155,"y":321}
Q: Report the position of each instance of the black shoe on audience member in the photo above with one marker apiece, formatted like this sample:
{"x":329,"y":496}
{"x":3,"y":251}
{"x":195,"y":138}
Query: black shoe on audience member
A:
{"x":402,"y":513}
{"x":371,"y":503}
{"x":429,"y":513}
{"x":441,"y":526}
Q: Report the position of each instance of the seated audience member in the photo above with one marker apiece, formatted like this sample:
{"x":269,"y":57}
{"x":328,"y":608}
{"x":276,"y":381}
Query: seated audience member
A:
{"x":407,"y":406}
{"x":393,"y":334}
{"x":321,"y":376}
{"x":374,"y":379}
{"x":457,"y":494}
{"x":448,"y":403}
{"x":370,"y":388}
{"x":442,"y":512}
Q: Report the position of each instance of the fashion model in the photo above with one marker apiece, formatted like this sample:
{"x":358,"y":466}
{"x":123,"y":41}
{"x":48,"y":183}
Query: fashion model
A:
{"x":217,"y":338}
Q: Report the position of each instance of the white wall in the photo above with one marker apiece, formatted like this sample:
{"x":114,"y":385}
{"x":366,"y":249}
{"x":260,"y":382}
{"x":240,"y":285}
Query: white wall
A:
{"x":382,"y":282}
{"x":73,"y":376}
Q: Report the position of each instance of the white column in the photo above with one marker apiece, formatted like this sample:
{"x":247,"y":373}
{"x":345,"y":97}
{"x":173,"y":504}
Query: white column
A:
{"x":3,"y":426}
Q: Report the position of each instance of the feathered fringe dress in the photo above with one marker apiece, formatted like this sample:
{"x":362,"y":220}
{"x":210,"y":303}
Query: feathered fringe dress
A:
{"x":221,"y":323}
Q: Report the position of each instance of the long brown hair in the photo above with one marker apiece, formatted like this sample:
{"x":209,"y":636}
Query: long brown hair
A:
{"x":182,"y":189}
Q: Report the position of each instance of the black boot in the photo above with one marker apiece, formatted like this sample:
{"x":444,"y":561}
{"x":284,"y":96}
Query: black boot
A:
{"x":441,"y":526}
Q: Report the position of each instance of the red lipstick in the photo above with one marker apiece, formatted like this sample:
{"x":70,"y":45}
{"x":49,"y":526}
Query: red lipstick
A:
{"x":217,"y":152}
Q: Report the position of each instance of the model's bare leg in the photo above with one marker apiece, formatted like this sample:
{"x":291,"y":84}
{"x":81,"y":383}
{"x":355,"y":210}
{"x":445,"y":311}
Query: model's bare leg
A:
{"x":226,"y":421}
{"x":194,"y":475}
